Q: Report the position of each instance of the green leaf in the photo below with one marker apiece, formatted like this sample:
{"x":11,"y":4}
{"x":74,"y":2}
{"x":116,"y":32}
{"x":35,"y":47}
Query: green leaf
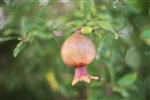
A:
{"x":73,"y":25}
{"x":146,"y":34}
{"x":147,"y":41}
{"x":118,"y":23}
{"x":127,"y":80}
{"x":121,"y":90}
{"x":32,"y":34}
{"x":20,"y":46}
{"x":49,"y":23}
{"x":107,"y":26}
{"x":25,"y":26}
{"x":88,"y":7}
{"x":93,"y":9}
{"x":4,"y":39}
{"x":133,"y":58}
{"x":104,"y":16}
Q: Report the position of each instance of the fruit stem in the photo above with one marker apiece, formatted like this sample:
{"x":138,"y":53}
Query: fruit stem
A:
{"x":78,"y":30}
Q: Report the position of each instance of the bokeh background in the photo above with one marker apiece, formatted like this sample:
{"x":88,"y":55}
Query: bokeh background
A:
{"x":31,"y":35}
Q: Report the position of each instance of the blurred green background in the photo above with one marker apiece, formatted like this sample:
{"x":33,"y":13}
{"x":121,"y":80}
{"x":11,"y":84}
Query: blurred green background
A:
{"x":31,"y":35}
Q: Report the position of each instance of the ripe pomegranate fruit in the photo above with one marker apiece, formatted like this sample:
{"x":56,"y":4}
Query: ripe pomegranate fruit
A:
{"x":77,"y":52}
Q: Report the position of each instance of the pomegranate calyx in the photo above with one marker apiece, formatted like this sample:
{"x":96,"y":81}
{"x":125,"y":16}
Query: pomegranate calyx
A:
{"x":81,"y":74}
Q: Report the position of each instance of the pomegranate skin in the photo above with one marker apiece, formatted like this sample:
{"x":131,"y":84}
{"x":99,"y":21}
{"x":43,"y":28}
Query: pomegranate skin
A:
{"x":78,"y":51}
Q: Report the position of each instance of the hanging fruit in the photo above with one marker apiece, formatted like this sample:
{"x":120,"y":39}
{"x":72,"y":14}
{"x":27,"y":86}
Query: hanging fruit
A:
{"x":77,"y":52}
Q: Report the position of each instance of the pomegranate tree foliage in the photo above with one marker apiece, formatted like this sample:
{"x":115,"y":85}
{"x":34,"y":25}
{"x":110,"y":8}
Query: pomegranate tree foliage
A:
{"x":35,"y":30}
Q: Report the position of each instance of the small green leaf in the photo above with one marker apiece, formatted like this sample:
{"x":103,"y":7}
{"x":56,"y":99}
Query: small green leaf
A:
{"x":88,"y":7}
{"x":75,"y":23}
{"x":82,"y":5}
{"x":121,"y":90}
{"x":146,"y":34}
{"x":20,"y":46}
{"x":107,"y":26}
{"x":3,"y":39}
{"x":49,"y":23}
{"x":86,"y":30}
{"x":25,"y":26}
{"x":119,"y":23}
{"x":93,"y":9}
{"x":147,"y":41}
{"x":32,"y":34}
{"x":133,"y":58}
{"x":127,"y":80}
{"x":103,"y":16}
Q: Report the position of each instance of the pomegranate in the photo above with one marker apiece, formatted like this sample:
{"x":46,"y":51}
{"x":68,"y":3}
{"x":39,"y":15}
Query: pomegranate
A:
{"x":77,"y":52}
